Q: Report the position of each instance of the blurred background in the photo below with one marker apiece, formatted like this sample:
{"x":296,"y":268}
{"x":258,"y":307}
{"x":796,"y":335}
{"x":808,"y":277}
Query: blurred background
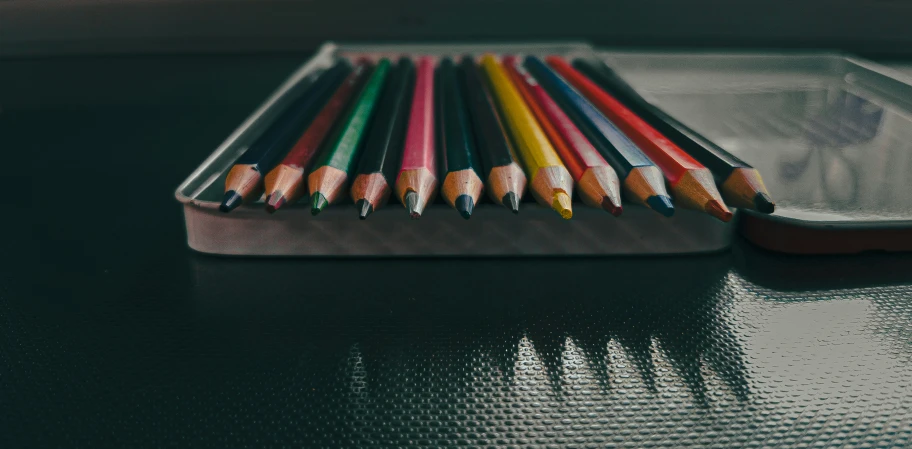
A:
{"x":874,"y":28}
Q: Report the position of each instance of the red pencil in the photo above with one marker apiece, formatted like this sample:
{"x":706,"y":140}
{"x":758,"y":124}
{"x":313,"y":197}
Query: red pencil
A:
{"x":285,"y":184}
{"x":596,"y":181}
{"x":416,"y":184}
{"x":691,"y":182}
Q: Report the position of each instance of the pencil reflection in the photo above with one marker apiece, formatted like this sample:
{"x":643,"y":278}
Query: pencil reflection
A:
{"x":821,"y":157}
{"x":385,"y":339}
{"x":832,"y":151}
{"x":847,"y":120}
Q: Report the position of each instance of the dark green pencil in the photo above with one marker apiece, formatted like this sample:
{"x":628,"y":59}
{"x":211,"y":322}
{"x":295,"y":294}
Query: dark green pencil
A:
{"x":504,"y":178}
{"x":460,"y":169}
{"x":379,"y":162}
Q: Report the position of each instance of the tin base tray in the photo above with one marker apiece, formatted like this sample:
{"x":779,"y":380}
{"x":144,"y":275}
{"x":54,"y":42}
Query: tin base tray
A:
{"x":492,"y":230}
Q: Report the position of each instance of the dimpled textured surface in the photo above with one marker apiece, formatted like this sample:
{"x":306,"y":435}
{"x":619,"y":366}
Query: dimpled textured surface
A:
{"x":113,"y":334}
{"x":400,"y":354}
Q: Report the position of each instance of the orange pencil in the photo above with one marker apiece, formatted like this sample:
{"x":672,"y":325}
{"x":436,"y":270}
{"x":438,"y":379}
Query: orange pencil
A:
{"x":691,"y":182}
{"x":596,"y":181}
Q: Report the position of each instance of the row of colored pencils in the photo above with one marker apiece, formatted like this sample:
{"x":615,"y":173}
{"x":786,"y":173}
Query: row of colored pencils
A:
{"x":377,"y":128}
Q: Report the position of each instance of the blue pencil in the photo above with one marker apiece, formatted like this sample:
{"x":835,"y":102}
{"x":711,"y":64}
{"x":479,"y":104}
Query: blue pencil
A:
{"x":641,"y":179}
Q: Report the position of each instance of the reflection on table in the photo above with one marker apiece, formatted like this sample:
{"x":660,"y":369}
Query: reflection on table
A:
{"x":828,"y":151}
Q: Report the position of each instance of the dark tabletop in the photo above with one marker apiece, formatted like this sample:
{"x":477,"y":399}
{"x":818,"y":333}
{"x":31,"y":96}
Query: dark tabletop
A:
{"x":113,"y":333}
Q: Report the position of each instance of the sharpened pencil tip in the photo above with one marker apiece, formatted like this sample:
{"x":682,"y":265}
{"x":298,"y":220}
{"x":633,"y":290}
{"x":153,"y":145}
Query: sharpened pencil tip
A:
{"x":613,"y":209}
{"x":364,"y":208}
{"x":763,"y":203}
{"x":661,"y":204}
{"x":561,"y":204}
{"x":511,"y":201}
{"x":718,"y":210}
{"x":231,"y":201}
{"x":465,"y":206}
{"x":274,"y":202}
{"x":411,"y":203}
{"x":318,"y":203}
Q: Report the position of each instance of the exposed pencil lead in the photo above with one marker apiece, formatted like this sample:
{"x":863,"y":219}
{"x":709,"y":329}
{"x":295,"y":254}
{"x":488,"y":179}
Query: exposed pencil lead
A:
{"x":465,"y":206}
{"x":318,"y":203}
{"x":613,"y":209}
{"x":411,"y":203}
{"x":275,"y":201}
{"x":364,"y":208}
{"x":561,"y":204}
{"x":763,"y":203}
{"x":231,"y":201}
{"x":511,"y":200}
{"x":661,"y":204}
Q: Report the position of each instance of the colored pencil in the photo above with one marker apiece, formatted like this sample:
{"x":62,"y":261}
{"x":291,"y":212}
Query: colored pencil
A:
{"x":642,"y":180}
{"x":460,"y":169}
{"x":691,"y":182}
{"x":741,"y":184}
{"x":335,"y":164}
{"x":377,"y":168}
{"x":551,"y":183}
{"x":416,"y":184}
{"x":245,"y":178}
{"x":505,"y":180}
{"x":596,"y":181}
{"x":285,"y":184}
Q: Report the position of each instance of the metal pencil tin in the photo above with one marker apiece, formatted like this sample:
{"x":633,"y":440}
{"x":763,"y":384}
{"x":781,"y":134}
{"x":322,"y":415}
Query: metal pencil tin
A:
{"x":831,"y":134}
{"x":492,"y":231}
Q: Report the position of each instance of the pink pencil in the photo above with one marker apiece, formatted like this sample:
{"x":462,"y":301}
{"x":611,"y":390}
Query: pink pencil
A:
{"x":596,"y":182}
{"x":416,"y":185}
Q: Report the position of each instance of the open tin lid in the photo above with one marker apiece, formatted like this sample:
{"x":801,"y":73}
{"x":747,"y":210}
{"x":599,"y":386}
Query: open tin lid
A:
{"x":831,"y":135}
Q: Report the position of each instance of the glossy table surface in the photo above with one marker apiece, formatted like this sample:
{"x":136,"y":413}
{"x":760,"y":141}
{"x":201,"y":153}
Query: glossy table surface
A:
{"x":113,"y":334}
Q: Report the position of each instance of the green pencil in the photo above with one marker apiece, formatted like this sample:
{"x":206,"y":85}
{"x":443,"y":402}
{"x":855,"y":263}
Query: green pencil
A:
{"x":329,"y":178}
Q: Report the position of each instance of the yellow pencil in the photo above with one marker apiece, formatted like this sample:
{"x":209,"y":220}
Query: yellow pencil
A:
{"x":550,"y":181}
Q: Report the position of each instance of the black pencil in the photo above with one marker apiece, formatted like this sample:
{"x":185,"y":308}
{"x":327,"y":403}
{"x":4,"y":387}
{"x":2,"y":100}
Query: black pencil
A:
{"x":505,"y":179}
{"x":245,"y":179}
{"x":460,"y":169}
{"x":377,"y":169}
{"x":741,"y":184}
